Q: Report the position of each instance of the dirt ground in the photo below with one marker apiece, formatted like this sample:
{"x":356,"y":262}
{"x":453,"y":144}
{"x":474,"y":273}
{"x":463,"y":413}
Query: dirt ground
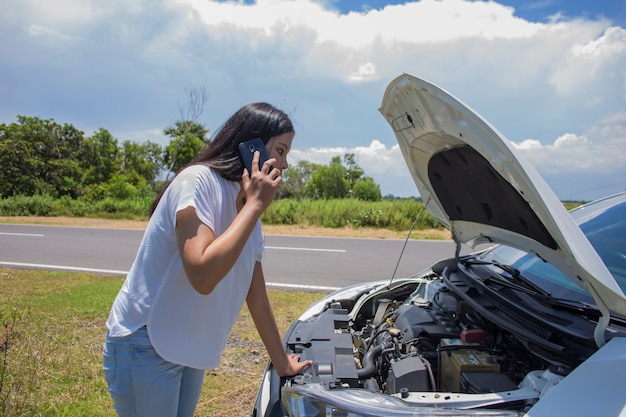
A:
{"x":297,"y":230}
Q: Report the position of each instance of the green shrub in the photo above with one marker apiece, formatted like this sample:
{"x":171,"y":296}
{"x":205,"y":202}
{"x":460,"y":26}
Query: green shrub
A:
{"x":395,"y":214}
{"x":335,"y":213}
{"x":134,"y":208}
{"x":131,"y":208}
{"x":38,"y":205}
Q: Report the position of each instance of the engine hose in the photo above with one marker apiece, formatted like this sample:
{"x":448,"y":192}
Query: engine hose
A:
{"x":396,"y":346}
{"x":430,"y":355}
{"x":369,"y":362}
{"x":429,"y":369}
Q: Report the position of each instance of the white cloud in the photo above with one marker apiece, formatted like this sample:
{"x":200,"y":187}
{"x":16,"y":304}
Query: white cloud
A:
{"x":600,"y":59}
{"x":365,"y":71}
{"x":375,"y":159}
{"x":425,"y":21}
{"x":601,"y":150}
{"x":583,"y":166}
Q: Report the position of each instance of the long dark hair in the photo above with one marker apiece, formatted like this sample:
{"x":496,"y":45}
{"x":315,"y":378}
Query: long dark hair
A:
{"x":256,"y":120}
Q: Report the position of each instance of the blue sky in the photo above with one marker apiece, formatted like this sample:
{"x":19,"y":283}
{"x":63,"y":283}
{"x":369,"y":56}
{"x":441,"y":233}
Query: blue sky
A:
{"x":549,"y":75}
{"x":532,"y":10}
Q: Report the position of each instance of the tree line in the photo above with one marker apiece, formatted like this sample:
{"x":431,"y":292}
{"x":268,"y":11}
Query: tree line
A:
{"x":42,"y":157}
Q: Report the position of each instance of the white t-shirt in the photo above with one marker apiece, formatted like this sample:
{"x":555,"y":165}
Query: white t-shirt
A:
{"x":184,"y":326}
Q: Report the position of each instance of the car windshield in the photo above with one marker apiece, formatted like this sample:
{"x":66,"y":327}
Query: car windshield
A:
{"x":604,"y":224}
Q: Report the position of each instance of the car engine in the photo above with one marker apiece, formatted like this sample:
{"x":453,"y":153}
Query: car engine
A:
{"x":428,"y":341}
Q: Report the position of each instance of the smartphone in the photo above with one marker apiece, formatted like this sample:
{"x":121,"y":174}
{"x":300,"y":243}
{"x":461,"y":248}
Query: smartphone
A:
{"x":247,"y":149}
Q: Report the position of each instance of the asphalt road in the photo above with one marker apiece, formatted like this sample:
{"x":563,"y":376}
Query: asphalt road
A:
{"x":318,"y":263}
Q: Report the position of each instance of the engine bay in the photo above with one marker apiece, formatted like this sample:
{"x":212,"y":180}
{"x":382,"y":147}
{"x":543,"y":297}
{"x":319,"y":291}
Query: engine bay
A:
{"x":439,"y":340}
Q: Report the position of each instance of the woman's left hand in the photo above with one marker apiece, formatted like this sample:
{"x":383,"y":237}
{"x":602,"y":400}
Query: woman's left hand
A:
{"x":294,"y":366}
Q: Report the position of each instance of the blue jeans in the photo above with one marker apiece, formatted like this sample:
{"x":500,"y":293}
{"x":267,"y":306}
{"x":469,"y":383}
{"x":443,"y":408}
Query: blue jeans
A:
{"x":142,"y":383}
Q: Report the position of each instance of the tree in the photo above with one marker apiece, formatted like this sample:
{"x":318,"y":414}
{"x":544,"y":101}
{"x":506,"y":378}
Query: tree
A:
{"x":40,"y":157}
{"x":353,"y":171}
{"x":184,"y":127}
{"x":366,"y":189}
{"x":188,"y":139}
{"x":339,"y":180}
{"x":188,"y":136}
{"x":16,"y":159}
{"x":141,"y":161}
{"x":295,"y":179}
{"x":100,"y":157}
{"x":329,"y":181}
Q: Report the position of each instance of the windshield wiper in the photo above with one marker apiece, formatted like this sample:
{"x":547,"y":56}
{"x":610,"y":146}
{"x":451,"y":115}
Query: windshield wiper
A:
{"x":518,"y":281}
{"x":576,"y":306}
{"x":523,"y":284}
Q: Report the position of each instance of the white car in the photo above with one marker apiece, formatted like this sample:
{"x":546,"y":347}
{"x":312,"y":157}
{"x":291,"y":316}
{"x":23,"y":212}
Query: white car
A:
{"x":533,"y":325}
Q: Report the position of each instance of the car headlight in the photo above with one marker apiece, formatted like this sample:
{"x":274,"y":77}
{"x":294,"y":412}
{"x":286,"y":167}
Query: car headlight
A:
{"x":312,"y":400}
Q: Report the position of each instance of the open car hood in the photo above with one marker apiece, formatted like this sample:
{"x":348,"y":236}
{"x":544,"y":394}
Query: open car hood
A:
{"x":472,"y":181}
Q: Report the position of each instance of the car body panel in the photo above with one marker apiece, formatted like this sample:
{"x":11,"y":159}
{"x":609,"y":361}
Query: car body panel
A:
{"x":592,"y":389}
{"x":472,"y":181}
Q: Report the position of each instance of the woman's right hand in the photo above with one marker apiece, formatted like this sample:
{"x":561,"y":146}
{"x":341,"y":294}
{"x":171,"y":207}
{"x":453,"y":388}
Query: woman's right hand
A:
{"x":260,"y":185}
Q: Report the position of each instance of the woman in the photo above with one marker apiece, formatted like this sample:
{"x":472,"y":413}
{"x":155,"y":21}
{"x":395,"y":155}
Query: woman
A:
{"x":199,"y":259}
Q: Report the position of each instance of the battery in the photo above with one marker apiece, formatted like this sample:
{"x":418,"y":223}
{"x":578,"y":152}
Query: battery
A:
{"x":463,"y":360}
{"x":482,"y":383}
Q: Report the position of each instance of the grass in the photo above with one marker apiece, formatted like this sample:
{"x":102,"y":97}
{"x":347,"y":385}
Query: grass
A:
{"x":51,"y":347}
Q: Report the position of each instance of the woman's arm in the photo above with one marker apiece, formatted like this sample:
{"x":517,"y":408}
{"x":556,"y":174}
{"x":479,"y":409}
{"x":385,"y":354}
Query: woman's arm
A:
{"x":207,"y":259}
{"x":261,"y":311}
